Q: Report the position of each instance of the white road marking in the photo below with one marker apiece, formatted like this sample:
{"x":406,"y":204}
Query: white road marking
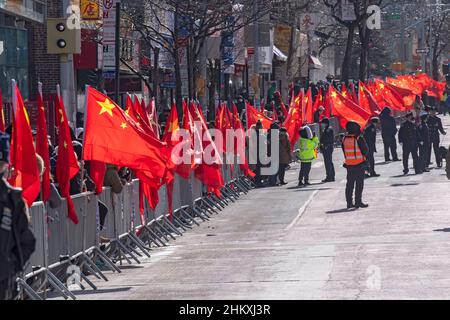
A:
{"x":302,"y":210}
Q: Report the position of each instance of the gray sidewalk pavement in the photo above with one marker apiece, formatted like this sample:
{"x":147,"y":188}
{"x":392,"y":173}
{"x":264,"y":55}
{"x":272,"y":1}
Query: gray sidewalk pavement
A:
{"x":290,"y":243}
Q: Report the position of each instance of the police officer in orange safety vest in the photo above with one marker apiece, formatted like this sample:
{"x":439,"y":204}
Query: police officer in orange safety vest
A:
{"x":355,"y":153}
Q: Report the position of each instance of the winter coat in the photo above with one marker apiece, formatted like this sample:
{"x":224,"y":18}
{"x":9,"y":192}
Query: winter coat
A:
{"x":285,"y":148}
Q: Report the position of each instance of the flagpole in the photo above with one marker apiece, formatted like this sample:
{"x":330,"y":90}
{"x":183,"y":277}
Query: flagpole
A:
{"x":45,"y":209}
{"x":86,"y":87}
{"x":14,"y":96}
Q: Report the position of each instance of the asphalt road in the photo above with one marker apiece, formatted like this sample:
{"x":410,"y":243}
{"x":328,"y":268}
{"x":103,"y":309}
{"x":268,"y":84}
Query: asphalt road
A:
{"x":290,"y":243}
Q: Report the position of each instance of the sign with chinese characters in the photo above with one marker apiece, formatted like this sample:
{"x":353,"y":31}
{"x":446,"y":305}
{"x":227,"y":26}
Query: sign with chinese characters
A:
{"x":90,"y":10}
{"x":308,"y":22}
{"x":109,"y":34}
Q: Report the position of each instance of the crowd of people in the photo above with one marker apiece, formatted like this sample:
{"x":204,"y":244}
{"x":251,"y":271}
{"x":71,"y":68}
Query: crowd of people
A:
{"x":419,"y":135}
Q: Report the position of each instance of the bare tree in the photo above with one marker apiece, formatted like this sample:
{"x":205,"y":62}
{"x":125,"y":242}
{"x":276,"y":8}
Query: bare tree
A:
{"x":360,"y":24}
{"x":180,"y":29}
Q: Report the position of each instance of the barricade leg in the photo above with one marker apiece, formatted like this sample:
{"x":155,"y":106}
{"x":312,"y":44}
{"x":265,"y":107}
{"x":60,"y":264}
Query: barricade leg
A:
{"x":180,"y":223}
{"x":159,"y":232}
{"x":187,"y":216}
{"x":154,"y":237}
{"x":62,"y":289}
{"x":106,"y":260}
{"x":92,"y":265}
{"x":89,"y":282}
{"x":211,"y":205}
{"x":171,"y":226}
{"x":139,"y":244}
{"x":27,"y":289}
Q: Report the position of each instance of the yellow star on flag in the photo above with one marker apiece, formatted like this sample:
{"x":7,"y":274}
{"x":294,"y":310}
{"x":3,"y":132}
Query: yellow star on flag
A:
{"x":381,"y":86}
{"x":344,"y":94}
{"x":107,"y":107}
{"x":65,"y":145}
{"x":123,"y":125}
{"x":333,"y":94}
{"x":62,"y":117}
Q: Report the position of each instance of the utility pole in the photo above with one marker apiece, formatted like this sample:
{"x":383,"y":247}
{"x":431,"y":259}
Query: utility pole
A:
{"x":117,"y":54}
{"x":256,"y":52}
{"x":67,"y":74}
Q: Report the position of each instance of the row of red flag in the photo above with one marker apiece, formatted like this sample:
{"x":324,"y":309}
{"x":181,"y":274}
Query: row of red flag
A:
{"x":127,"y":138}
{"x":350,"y":104}
{"x":131,"y":138}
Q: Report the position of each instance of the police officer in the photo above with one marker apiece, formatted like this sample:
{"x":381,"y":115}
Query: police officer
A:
{"x":327,"y":148}
{"x":424,"y":146}
{"x":17,"y":242}
{"x":388,"y":132}
{"x":409,"y":138}
{"x":355,"y":152}
{"x":435,"y":126}
{"x":370,"y":135}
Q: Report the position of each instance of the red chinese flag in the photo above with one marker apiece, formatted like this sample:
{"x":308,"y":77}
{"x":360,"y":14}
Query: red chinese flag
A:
{"x":42,"y":147}
{"x":367,"y":101}
{"x":185,"y":169}
{"x":111,"y":136}
{"x":97,"y":172}
{"x":318,"y":102}
{"x":2,"y":114}
{"x":432,"y":87}
{"x":327,"y":104}
{"x":254,"y":115}
{"x":143,"y":113}
{"x":407,"y":94}
{"x":210,"y":174}
{"x":129,"y":108}
{"x":293,"y":124}
{"x":347,"y":110}
{"x":23,"y":154}
{"x":67,"y":165}
{"x":353,"y":94}
{"x":240,"y":136}
{"x":409,"y":82}
{"x":307,"y":108}
{"x":390,"y":96}
{"x":344,"y":91}
{"x":169,"y":191}
{"x":149,"y":193}
{"x":172,"y":138}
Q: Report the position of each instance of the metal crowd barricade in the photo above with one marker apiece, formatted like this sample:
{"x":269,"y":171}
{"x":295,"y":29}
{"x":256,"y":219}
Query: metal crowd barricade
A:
{"x":61,"y":244}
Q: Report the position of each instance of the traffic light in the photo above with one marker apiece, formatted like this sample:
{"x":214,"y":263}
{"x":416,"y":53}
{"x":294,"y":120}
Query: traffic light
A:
{"x":61,"y":38}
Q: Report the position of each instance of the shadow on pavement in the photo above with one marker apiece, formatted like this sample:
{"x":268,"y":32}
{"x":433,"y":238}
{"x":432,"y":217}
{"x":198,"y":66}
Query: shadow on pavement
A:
{"x":306,"y":188}
{"x":404,"y":184}
{"x":340,"y":211}
{"x":312,"y":189}
{"x":382,"y":163}
{"x":443,"y":230}
{"x":86,"y":292}
{"x":125,"y":267}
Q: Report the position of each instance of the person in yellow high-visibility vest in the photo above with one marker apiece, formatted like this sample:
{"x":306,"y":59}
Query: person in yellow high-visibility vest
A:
{"x":307,"y":154}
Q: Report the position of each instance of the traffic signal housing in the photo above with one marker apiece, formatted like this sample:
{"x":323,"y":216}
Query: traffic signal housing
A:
{"x":62,"y":38}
